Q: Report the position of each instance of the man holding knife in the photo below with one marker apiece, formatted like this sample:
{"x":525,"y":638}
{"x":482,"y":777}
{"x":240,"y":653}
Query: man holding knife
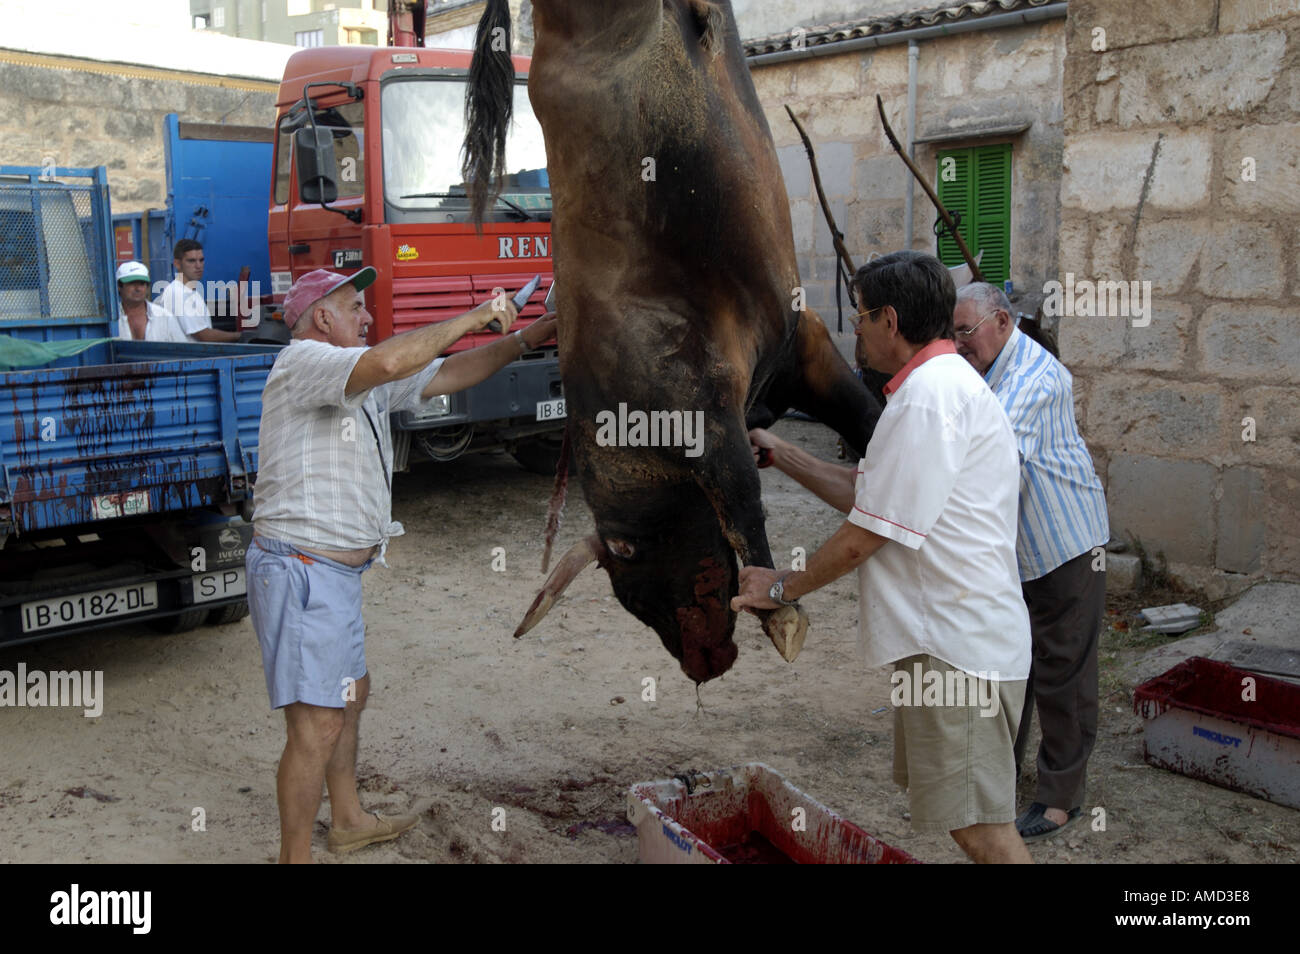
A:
{"x":323,"y":515}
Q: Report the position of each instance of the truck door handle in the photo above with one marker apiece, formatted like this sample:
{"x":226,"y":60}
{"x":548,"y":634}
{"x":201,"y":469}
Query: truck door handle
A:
{"x":299,"y":249}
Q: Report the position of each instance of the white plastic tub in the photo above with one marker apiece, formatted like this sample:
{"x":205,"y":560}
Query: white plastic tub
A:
{"x":747,"y":814}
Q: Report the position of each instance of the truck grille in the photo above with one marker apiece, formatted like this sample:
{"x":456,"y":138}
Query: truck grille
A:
{"x":421,"y":301}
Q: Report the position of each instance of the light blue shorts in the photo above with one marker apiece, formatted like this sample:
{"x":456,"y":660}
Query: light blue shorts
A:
{"x":307,"y":613}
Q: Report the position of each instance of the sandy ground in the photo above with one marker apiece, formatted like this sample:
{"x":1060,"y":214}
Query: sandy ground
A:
{"x":552,"y":728}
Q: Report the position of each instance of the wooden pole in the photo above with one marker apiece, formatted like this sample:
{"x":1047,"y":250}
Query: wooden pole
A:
{"x":976,"y":274}
{"x":837,"y":237}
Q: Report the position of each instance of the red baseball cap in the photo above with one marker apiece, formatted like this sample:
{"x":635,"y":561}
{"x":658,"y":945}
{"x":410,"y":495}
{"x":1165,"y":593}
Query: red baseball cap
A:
{"x":314,"y":286}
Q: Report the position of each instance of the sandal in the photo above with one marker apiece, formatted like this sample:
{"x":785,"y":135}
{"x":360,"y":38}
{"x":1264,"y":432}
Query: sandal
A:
{"x":1035,"y":824}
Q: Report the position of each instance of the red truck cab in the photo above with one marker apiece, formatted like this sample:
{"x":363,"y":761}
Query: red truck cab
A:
{"x":387,"y":125}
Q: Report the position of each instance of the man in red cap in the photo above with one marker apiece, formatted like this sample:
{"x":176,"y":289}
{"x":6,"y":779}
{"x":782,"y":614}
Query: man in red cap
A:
{"x":322,"y":515}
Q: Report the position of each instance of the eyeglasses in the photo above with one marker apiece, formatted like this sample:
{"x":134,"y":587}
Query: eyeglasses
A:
{"x":856,"y":320}
{"x":971,"y":330}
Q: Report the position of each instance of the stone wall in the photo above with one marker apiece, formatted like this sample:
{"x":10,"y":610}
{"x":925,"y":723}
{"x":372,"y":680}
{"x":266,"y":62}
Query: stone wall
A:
{"x":966,"y":82}
{"x":1182,"y":145}
{"x":69,"y":112}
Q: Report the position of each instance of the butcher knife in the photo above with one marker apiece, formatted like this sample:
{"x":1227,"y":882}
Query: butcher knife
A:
{"x":519,"y":300}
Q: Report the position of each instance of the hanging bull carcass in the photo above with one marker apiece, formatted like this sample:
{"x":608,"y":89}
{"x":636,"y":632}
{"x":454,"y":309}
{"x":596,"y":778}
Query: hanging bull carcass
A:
{"x":681,"y":318}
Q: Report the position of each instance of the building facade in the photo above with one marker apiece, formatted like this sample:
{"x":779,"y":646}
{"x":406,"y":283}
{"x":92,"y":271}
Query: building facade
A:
{"x":295,"y":22}
{"x":985,"y":83}
{"x":76,"y":91}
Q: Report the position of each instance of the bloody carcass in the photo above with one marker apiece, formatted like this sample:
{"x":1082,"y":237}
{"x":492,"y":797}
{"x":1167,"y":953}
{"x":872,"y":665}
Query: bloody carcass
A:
{"x":678,"y":295}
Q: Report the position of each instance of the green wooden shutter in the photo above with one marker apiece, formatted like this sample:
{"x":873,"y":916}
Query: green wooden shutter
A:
{"x":955,"y":194}
{"x":992,"y":180}
{"x":981,"y":189}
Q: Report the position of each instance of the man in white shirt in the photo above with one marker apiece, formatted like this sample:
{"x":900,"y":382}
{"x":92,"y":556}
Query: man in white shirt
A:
{"x":323,"y":513}
{"x":932,"y":530}
{"x":138,"y":318}
{"x":184,"y":296}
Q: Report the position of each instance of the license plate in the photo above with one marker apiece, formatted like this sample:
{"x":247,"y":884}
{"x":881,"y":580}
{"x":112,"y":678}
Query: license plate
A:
{"x":129,"y":504}
{"x":550,"y":410}
{"x":219,"y":584}
{"x":99,"y":604}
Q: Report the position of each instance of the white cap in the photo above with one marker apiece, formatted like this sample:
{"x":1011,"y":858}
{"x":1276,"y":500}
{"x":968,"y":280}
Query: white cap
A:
{"x":132,"y":272}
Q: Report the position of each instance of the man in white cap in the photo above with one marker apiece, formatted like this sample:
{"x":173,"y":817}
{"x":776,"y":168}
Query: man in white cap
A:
{"x":323,"y":514}
{"x":138,"y":318}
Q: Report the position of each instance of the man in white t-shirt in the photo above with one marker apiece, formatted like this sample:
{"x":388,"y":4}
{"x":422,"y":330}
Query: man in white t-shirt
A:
{"x":323,"y":513}
{"x":931,"y":529}
{"x":138,"y":318}
{"x":184,"y":296}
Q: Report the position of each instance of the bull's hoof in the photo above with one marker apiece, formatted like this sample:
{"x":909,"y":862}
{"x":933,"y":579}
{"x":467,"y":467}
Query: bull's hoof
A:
{"x":787,"y":627}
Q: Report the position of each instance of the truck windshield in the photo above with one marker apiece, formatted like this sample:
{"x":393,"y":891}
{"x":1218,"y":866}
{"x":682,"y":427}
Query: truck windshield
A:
{"x":423,"y":129}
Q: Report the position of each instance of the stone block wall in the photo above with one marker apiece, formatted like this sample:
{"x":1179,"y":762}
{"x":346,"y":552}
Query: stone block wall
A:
{"x":965,"y":82}
{"x":80,"y":113}
{"x":1182,"y":147}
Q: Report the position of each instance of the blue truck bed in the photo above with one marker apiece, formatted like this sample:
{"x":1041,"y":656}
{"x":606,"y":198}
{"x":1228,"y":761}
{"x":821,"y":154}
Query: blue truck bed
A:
{"x":125,"y":466}
{"x":168,"y":432}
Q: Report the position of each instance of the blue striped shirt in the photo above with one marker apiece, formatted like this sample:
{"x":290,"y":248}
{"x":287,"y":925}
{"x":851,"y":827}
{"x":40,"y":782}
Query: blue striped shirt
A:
{"x":1062,"y":505}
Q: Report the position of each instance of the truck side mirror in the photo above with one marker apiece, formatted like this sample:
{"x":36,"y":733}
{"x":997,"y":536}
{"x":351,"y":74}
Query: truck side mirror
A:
{"x":313,"y":151}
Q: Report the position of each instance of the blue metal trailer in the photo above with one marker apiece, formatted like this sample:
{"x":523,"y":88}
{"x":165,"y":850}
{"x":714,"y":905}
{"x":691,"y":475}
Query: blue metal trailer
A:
{"x":125,"y":466}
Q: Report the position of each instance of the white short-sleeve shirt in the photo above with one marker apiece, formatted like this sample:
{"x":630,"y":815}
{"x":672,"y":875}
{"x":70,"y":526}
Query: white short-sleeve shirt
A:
{"x":159,"y":326}
{"x":940,"y":480}
{"x":187,"y":305}
{"x":323,"y":477}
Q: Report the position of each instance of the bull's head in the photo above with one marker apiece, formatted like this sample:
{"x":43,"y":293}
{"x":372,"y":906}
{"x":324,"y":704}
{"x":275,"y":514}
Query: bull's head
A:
{"x":670,"y":547}
{"x":670,"y":566}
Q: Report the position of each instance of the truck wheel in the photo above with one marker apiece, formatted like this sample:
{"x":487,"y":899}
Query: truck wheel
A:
{"x":230,"y":613}
{"x":182,"y":622}
{"x":539,"y":455}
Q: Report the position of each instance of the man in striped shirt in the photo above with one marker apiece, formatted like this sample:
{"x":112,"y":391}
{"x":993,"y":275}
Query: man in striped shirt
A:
{"x":1062,"y":521}
{"x":323,"y":513}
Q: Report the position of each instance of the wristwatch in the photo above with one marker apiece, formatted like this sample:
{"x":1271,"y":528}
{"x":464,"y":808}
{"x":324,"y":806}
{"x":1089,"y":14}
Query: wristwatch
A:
{"x":777,"y":593}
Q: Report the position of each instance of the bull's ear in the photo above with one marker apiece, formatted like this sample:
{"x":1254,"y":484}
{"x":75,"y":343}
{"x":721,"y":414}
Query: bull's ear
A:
{"x":710,"y":23}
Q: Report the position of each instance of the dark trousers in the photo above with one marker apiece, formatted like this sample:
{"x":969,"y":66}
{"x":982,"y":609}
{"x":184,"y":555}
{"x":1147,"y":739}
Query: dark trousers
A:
{"x":1066,"y":608}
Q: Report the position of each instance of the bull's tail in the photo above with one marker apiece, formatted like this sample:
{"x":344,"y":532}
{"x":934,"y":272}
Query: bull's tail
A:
{"x":489,"y":102}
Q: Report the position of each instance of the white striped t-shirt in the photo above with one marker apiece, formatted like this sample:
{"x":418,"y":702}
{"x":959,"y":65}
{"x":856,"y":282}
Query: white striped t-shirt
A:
{"x":1062,"y":505}
{"x":321,"y":482}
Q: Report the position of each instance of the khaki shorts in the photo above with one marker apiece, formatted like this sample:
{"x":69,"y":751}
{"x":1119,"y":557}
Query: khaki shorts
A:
{"x":957,"y":764}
